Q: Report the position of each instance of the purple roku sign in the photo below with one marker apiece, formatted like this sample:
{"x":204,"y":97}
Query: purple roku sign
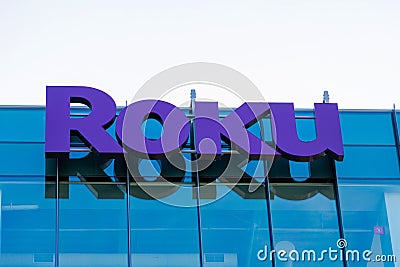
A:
{"x":208,"y":129}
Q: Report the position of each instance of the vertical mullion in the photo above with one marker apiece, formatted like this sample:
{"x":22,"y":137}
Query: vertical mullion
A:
{"x":128,"y":210}
{"x":267,"y":190}
{"x":197,"y":187}
{"x":128,"y":219}
{"x":57,"y":218}
{"x":338,"y":208}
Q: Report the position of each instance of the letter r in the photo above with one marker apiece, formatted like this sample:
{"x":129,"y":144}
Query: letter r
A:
{"x":59,"y":125}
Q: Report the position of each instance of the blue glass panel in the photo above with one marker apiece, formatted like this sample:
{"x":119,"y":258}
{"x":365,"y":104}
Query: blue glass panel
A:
{"x":303,"y":113}
{"x":22,"y":159}
{"x":255,"y":168}
{"x":255,"y":129}
{"x":304,"y":218}
{"x":164,"y":232}
{"x":300,"y":171}
{"x":306,"y":129}
{"x":164,"y":229}
{"x":398,"y":122}
{"x":27,"y":223}
{"x":152,"y":129}
{"x":93,"y":230}
{"x":367,"y":128}
{"x":368,"y":162}
{"x":267,"y":129}
{"x":149,"y":169}
{"x":111,"y":130}
{"x":371,"y":219}
{"x":235,"y":227}
{"x":22,"y":124}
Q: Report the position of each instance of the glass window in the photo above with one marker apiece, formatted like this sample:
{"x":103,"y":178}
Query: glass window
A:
{"x":300,"y":171}
{"x":164,"y":231}
{"x":255,"y":129}
{"x":152,"y":128}
{"x":235,"y":226}
{"x":306,"y":129}
{"x":368,"y":162}
{"x":22,"y":124}
{"x":267,"y":129}
{"x":304,"y":218}
{"x":304,"y":113}
{"x":22,"y":159}
{"x":398,"y":122}
{"x":163,"y":214}
{"x":371,"y":219}
{"x":93,"y":226}
{"x":27,"y":223}
{"x":375,"y":128}
{"x":305,"y":124}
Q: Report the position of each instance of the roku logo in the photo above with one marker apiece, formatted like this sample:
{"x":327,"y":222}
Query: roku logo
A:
{"x":208,"y":129}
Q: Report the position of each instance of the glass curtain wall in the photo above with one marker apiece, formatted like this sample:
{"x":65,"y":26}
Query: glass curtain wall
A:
{"x":369,"y":186}
{"x":94,"y":217}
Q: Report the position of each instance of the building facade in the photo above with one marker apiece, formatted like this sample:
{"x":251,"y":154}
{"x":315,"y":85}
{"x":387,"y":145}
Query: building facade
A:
{"x":82,"y":211}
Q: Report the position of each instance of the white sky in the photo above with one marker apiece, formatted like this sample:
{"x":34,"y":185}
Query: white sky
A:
{"x":292,"y":50}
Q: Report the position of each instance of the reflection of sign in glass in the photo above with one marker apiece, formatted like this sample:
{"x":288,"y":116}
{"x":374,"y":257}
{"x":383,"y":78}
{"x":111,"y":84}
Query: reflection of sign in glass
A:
{"x":91,"y":171}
